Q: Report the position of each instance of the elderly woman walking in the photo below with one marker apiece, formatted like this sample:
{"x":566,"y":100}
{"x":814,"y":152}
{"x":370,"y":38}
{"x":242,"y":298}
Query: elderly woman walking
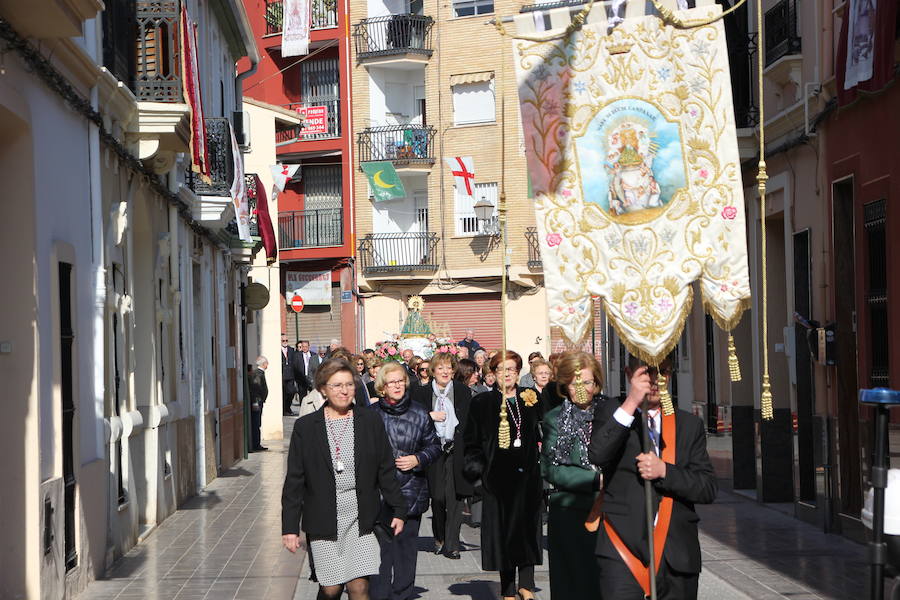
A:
{"x":501,"y":438}
{"x":415,"y":445}
{"x":576,"y":482}
{"x":447,"y":403}
{"x":339,"y":461}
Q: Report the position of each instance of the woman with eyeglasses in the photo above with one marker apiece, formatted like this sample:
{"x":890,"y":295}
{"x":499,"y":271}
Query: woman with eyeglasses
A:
{"x":340,"y":465}
{"x":447,"y":403}
{"x":576,"y":482}
{"x":415,"y":446}
{"x":501,"y":448}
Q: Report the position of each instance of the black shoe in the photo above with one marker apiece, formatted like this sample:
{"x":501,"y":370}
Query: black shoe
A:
{"x":259,"y":449}
{"x":289,"y":414}
{"x":438,"y":547}
{"x":453,"y":555}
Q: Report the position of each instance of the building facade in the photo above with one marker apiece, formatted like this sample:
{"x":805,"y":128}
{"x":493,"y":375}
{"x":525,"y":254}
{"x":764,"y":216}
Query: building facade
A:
{"x":422,"y":93}
{"x":122,"y":338}
{"x":314,"y":219}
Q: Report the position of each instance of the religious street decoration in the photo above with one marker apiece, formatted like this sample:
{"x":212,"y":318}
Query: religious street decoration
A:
{"x":463,"y":170}
{"x":295,"y":30}
{"x":632,"y":154}
{"x":239,"y":191}
{"x":190,"y":79}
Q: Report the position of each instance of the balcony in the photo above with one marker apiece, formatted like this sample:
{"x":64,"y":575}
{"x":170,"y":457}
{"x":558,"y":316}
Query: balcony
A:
{"x":314,"y":228}
{"x":401,"y":39}
{"x":398,"y":252}
{"x":323,"y":16}
{"x":298,"y":133}
{"x":742,"y":53}
{"x":221,"y":162}
{"x":405,"y":145}
{"x":782,"y":38}
{"x":158,"y":76}
{"x":534,"y":253}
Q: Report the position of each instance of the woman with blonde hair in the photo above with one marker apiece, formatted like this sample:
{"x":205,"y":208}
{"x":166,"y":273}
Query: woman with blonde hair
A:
{"x":576,"y":482}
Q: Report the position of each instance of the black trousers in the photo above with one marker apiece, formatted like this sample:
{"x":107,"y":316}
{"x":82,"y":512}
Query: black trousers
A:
{"x":288,"y":389}
{"x":616,"y":581}
{"x":397,"y":574}
{"x":508,"y":585}
{"x":446,"y":508}
{"x":255,"y":425}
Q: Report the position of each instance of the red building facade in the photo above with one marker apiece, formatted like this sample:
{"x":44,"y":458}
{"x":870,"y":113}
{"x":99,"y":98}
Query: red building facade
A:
{"x":315,"y":221}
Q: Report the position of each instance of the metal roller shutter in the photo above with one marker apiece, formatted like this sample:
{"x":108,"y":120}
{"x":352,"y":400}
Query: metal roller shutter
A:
{"x":453,"y":314}
{"x":318,"y":324}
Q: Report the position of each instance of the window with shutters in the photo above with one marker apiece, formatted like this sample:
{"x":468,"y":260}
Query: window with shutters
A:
{"x":876,"y":292}
{"x":474,"y":103}
{"x":466,"y":221}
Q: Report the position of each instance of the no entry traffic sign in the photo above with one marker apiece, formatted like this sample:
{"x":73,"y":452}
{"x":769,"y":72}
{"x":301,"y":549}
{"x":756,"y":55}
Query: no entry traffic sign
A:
{"x":297,"y":303}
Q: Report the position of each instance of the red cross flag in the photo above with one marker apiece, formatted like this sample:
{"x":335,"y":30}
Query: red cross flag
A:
{"x":463,"y":170}
{"x":281,"y":174}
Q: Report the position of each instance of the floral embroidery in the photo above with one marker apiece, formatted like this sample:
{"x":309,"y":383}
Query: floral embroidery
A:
{"x":579,"y":87}
{"x":554,"y":239}
{"x":529,"y":397}
{"x":664,"y":305}
{"x":631,"y":309}
{"x":729,"y":212}
{"x":704,"y":173}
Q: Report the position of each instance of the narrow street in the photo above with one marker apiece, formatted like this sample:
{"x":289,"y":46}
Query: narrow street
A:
{"x":225,"y":545}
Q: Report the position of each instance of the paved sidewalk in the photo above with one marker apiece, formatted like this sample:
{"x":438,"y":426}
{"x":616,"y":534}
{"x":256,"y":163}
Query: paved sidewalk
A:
{"x":225,"y":544}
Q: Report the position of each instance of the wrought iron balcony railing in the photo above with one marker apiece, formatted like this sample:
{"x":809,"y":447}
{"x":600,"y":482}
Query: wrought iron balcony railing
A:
{"x":402,"y":144}
{"x":782,"y":38}
{"x":221,"y":161}
{"x":295,"y":133}
{"x":534,"y":252}
{"x":314,"y":228}
{"x":158,"y":77}
{"x":323,"y":15}
{"x":742,"y":53}
{"x":393,"y":34}
{"x":398,"y":252}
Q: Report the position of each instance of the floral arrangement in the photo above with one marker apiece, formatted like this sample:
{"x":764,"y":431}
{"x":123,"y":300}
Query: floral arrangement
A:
{"x":444,"y":345}
{"x":388,"y":350}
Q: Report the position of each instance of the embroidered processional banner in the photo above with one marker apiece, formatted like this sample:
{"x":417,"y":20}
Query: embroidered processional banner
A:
{"x":632,"y":154}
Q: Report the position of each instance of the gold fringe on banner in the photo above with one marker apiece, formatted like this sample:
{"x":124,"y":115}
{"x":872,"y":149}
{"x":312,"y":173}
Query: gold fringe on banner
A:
{"x":734,"y":366}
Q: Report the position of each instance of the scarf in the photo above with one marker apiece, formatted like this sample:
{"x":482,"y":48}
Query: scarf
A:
{"x":443,"y":402}
{"x":574,"y":425}
{"x":395,"y":409}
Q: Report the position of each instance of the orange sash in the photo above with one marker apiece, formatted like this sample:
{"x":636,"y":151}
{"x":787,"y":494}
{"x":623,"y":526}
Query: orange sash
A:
{"x":661,"y":530}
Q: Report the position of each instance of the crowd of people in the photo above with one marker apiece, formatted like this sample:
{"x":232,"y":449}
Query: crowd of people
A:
{"x":378,"y":442}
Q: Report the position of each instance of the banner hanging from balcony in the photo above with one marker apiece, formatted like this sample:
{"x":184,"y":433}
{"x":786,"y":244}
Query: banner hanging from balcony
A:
{"x":239,"y":191}
{"x":192,"y":95}
{"x":632,"y":154}
{"x":281,"y":174}
{"x":264,"y":221}
{"x":295,"y":33}
{"x":383,"y":180}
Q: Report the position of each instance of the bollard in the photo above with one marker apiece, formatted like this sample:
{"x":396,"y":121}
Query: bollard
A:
{"x":882,"y":399}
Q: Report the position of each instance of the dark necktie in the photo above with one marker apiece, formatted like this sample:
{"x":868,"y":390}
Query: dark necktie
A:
{"x":654,"y":434}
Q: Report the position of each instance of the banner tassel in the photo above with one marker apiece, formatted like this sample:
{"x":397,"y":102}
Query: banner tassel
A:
{"x":503,"y":430}
{"x":665,"y":398}
{"x":734,"y":366}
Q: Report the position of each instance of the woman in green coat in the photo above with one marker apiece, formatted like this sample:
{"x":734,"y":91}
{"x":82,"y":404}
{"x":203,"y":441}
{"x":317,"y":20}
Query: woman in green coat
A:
{"x":576,"y":483}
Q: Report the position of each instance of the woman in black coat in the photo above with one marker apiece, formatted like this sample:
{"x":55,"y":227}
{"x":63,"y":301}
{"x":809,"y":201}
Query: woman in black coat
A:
{"x":415,"y":445}
{"x":339,"y":461}
{"x":501,"y":448}
{"x":447,"y":403}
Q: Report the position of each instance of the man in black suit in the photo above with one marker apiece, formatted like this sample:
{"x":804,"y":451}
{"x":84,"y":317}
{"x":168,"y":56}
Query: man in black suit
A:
{"x":288,"y":377}
{"x":259,"y":391}
{"x":306,"y":363}
{"x":679,"y":482}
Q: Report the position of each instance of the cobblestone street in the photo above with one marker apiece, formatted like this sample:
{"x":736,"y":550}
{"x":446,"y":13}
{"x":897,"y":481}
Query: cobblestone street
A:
{"x":225,"y":545}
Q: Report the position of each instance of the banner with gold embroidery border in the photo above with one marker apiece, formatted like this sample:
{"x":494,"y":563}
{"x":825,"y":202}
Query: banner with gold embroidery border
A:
{"x":632,"y":153}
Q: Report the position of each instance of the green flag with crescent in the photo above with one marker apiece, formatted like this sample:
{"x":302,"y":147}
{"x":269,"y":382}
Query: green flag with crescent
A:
{"x":383,"y":180}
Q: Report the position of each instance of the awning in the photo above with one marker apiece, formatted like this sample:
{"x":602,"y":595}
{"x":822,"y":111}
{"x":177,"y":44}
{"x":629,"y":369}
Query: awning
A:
{"x":471,"y":77}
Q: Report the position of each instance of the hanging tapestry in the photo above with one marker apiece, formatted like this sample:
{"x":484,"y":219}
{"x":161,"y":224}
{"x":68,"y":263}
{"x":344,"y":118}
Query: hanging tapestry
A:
{"x":632,"y":153}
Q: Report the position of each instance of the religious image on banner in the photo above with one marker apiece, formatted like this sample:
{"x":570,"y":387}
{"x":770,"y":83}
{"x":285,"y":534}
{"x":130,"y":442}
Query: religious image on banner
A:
{"x":632,"y":155}
{"x":295,"y":28}
{"x":860,"y":43}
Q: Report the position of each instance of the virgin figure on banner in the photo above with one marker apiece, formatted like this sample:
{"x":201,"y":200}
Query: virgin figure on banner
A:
{"x":641,"y":160}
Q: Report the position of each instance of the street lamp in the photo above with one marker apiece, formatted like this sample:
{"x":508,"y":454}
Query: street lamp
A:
{"x":484,"y":210}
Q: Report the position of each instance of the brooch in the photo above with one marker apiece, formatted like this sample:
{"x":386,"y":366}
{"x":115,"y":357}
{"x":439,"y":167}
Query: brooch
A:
{"x":529,"y":397}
